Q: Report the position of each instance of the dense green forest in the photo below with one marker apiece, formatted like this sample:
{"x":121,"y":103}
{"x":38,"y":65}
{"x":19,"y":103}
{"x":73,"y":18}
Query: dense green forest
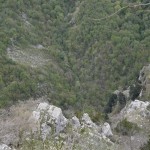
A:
{"x":90,"y":56}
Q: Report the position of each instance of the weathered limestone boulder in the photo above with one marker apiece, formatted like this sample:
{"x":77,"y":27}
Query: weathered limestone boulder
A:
{"x":106,"y":130}
{"x":39,"y":46}
{"x":86,"y":120}
{"x":75,"y":122}
{"x":50,"y":118}
{"x":47,"y":121}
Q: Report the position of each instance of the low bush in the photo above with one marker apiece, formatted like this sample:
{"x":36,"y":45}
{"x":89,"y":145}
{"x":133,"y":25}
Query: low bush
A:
{"x":127,"y":128}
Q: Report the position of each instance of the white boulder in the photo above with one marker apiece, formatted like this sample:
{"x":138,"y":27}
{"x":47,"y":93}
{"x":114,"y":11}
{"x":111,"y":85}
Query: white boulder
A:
{"x":106,"y":130}
{"x":86,"y":120}
{"x":75,"y":122}
{"x":39,"y":46}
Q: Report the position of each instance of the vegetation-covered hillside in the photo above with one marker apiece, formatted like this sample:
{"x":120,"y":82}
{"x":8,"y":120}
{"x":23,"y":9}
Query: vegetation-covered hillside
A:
{"x":89,"y":56}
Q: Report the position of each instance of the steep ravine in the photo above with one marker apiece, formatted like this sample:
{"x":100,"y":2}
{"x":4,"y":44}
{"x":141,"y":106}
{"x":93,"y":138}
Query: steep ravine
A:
{"x":30,"y":124}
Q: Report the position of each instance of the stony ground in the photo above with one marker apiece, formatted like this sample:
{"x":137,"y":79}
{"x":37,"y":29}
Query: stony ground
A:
{"x":15,"y":122}
{"x":33,"y":56}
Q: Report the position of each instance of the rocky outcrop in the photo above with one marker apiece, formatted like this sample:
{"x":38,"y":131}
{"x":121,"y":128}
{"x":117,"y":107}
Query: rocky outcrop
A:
{"x":84,"y":131}
{"x":136,"y":112}
{"x":106,"y":130}
{"x":75,"y":123}
{"x":48,"y":121}
{"x":137,"y":105}
{"x":49,"y":118}
{"x":133,"y":119}
{"x":95,"y":136}
{"x":86,"y":121}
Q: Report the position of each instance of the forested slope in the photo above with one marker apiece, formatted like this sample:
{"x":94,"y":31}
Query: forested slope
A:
{"x":90,"y":56}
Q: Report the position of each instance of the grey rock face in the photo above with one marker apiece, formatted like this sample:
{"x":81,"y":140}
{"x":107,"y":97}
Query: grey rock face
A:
{"x":106,"y":130}
{"x":75,"y":122}
{"x":95,"y":134}
{"x":86,"y":120}
{"x":49,"y":117}
{"x":137,"y":105}
{"x":137,"y":112}
{"x":45,"y":131}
